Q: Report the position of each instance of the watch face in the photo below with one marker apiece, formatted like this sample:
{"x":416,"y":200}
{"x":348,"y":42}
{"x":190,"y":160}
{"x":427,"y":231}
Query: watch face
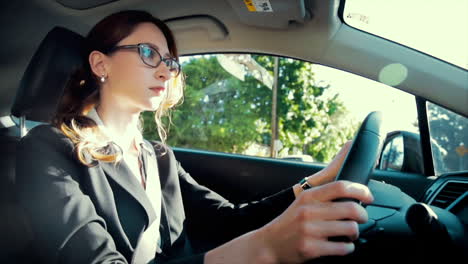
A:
{"x":304,"y":184}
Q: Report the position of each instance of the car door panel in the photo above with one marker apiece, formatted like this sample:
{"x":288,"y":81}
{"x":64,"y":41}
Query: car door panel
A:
{"x":240,"y":178}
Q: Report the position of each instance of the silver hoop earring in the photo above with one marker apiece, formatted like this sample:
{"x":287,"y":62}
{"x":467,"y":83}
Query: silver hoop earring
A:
{"x":103,"y":78}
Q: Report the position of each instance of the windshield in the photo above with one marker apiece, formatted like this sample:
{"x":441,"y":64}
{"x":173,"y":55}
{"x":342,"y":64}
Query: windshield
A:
{"x":438,"y":28}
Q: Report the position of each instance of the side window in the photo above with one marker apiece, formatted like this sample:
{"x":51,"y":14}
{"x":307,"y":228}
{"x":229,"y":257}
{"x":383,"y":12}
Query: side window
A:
{"x":277,"y":107}
{"x":449,"y":139}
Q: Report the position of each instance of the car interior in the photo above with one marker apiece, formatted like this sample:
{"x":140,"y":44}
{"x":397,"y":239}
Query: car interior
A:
{"x":418,"y":213}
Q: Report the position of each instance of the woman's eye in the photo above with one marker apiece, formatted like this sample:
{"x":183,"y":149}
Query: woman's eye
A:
{"x":148,"y":53}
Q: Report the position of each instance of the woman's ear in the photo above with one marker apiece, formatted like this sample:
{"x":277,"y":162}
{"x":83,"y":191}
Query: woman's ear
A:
{"x":98,"y":63}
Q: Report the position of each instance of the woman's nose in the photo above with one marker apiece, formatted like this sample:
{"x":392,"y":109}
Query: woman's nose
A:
{"x":162,"y":72}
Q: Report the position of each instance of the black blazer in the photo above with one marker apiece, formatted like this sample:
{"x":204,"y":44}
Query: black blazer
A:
{"x":96,"y":215}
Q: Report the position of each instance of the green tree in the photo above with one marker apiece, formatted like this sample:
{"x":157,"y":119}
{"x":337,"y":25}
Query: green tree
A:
{"x":223,"y":113}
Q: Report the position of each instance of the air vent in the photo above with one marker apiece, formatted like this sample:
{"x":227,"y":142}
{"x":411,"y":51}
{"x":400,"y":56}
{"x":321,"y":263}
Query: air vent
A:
{"x":449,"y":193}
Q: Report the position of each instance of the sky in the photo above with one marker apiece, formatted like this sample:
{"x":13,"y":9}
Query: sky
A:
{"x":398,"y":107}
{"x":436,"y":27}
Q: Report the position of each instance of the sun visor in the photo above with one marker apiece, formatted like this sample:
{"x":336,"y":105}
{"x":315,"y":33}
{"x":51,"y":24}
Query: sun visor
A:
{"x":278,"y":14}
{"x":190,"y":26}
{"x":84,"y":4}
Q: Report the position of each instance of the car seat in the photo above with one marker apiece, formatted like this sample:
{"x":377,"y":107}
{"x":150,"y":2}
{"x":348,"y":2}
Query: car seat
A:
{"x":37,"y":98}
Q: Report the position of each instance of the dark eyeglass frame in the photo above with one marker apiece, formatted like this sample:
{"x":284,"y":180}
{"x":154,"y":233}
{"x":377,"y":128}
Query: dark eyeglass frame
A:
{"x":140,"y":46}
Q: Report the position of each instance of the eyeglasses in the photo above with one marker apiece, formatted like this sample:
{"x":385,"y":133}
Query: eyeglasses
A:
{"x":151,"y":57}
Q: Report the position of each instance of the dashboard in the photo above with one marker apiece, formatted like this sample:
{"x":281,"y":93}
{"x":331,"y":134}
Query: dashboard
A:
{"x":450,"y":192}
{"x":435,"y":227}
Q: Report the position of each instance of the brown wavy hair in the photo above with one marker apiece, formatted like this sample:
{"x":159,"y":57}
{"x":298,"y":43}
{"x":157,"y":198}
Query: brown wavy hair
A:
{"x":81,"y":93}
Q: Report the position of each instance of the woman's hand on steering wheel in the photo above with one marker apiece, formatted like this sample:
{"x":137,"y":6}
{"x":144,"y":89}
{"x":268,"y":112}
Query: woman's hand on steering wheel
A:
{"x":303,"y":230}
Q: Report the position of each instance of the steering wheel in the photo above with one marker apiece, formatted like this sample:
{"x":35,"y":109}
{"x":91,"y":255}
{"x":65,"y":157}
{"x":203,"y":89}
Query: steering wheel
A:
{"x":399,"y":228}
{"x":360,"y":161}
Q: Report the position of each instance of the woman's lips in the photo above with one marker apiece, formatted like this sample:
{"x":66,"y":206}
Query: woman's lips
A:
{"x":157,"y":89}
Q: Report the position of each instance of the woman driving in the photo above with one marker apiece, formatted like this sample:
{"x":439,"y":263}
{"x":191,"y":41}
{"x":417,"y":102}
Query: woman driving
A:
{"x":97,"y":192}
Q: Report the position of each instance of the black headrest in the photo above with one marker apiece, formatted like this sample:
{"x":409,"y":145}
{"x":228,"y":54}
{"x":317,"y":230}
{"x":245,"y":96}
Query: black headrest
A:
{"x":43,"y":82}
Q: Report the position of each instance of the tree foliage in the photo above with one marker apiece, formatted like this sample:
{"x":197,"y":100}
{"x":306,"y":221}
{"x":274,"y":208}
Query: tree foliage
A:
{"x":223,"y":113}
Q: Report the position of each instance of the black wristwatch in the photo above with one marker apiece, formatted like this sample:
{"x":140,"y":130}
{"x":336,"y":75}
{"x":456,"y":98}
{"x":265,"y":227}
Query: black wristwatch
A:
{"x":305,"y":185}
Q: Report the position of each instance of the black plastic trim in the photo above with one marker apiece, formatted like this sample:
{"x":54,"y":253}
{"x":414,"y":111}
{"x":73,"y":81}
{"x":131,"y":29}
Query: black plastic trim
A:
{"x":425,"y":136}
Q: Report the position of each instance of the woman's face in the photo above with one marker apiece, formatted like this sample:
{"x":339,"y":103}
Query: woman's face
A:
{"x":135,"y":86}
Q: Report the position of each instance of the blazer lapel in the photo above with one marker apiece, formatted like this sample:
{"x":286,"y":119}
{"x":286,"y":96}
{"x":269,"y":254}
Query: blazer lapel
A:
{"x":122,"y":175}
